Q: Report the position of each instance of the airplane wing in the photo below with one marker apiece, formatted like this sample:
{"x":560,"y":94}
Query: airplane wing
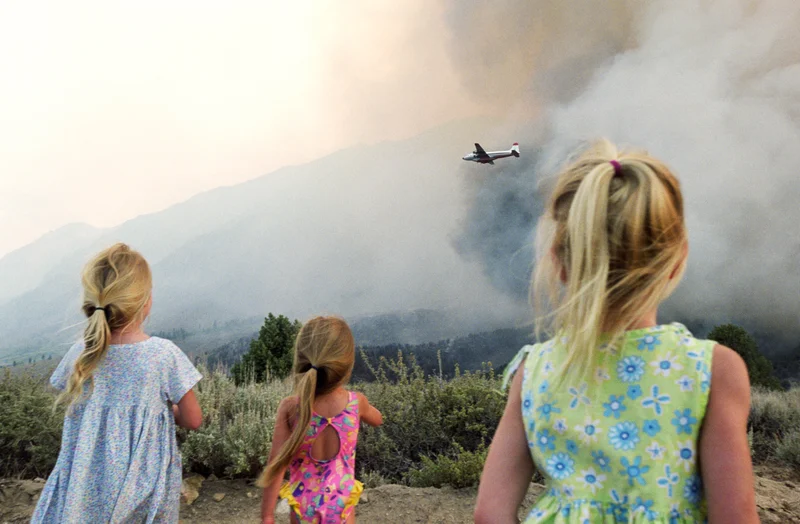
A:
{"x":480,"y":151}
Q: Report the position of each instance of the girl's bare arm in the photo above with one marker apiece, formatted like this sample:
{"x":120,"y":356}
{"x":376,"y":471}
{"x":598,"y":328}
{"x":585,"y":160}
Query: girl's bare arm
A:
{"x":368,"y":412}
{"x":281,"y":434}
{"x":187,"y":412}
{"x":509,"y":467}
{"x":724,"y":455}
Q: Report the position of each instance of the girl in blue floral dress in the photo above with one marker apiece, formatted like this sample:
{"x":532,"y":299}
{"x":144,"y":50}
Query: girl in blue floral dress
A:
{"x":620,"y":414}
{"x":125,"y":391}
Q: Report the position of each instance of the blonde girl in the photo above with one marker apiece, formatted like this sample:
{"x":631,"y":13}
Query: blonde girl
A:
{"x":619,"y":413}
{"x":124,"y":393}
{"x":317,"y":429}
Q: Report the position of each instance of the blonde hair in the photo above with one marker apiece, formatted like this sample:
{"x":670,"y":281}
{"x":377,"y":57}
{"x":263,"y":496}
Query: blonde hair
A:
{"x":613,"y":232}
{"x":117,"y":285}
{"x":324,"y":355}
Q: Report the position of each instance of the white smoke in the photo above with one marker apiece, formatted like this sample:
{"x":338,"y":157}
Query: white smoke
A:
{"x":711,"y":87}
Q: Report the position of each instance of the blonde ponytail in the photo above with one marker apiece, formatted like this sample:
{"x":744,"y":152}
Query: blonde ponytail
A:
{"x":614,"y":234}
{"x":116,"y":289}
{"x":324,"y":355}
{"x":305,"y":390}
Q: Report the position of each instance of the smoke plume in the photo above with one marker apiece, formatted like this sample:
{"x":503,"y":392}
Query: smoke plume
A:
{"x":711,"y":87}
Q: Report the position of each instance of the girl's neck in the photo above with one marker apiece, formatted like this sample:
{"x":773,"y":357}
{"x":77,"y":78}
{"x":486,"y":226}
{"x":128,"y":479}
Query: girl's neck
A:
{"x":645,"y":321}
{"x":129,"y":336}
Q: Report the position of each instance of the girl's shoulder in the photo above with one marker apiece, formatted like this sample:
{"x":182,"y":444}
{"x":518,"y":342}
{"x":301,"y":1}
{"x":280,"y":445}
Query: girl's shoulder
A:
{"x":159,"y":343}
{"x":289,"y":404}
{"x":62,"y":372}
{"x":162,"y":349}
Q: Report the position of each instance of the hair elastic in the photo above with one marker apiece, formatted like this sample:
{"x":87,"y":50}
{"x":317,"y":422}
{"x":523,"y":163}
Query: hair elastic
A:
{"x":617,"y":167}
{"x":99,"y":308}
{"x":314,"y":367}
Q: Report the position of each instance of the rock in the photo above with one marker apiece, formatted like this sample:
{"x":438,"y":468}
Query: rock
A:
{"x":188,"y":493}
{"x":218,"y":497}
{"x":190,"y":488}
{"x":364,"y":499}
{"x":212,"y":478}
{"x":195,"y":480}
{"x":790,"y":485}
{"x":31,"y":487}
{"x":250,"y":494}
{"x":282,"y":508}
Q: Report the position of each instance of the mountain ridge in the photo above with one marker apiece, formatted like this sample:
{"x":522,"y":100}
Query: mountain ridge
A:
{"x":360,"y":231}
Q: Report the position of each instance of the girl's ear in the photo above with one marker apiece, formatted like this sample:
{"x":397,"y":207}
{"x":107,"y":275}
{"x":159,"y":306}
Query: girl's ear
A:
{"x":681,"y":262}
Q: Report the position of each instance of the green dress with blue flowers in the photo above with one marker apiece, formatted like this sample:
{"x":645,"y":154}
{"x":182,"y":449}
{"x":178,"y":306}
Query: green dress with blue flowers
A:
{"x":621,"y":444}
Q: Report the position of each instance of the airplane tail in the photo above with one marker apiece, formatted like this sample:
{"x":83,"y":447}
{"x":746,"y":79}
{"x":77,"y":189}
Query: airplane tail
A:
{"x":515,"y":150}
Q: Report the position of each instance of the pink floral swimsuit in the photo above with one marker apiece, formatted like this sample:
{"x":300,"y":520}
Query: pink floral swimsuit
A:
{"x":323,"y":492}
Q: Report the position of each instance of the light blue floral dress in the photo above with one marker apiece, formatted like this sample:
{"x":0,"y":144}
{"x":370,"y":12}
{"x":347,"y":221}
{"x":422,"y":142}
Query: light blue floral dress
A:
{"x":119,"y":460}
{"x":619,"y":445}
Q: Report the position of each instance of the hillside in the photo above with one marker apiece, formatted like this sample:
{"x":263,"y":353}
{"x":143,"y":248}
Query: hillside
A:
{"x":359,"y":232}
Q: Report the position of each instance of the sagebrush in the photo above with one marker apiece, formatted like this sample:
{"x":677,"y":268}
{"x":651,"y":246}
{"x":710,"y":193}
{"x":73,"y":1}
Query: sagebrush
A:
{"x":30,"y":427}
{"x":435,"y":431}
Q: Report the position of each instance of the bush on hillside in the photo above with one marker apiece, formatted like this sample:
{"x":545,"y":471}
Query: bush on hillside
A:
{"x":236,"y":436}
{"x":775,"y":425}
{"x":460,"y":469}
{"x":425,"y":416}
{"x":758,"y":366}
{"x":435,"y":431}
{"x":30,"y":430}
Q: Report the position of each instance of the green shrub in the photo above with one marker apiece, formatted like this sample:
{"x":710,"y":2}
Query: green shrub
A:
{"x":236,"y":436}
{"x":373,"y":479}
{"x":788,"y":449}
{"x":775,"y":423}
{"x":30,"y":431}
{"x":758,"y":366}
{"x":460,"y":469}
{"x":426,"y":416}
{"x":435,"y":431}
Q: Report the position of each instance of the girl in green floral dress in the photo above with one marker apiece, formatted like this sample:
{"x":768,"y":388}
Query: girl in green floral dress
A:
{"x":619,"y":414}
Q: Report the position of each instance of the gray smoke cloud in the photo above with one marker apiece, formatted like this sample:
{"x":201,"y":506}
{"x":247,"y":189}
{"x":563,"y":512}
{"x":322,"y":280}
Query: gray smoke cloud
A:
{"x":711,"y":87}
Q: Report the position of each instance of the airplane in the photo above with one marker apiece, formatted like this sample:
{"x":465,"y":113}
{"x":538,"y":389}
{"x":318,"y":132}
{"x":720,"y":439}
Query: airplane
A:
{"x":482,"y":157}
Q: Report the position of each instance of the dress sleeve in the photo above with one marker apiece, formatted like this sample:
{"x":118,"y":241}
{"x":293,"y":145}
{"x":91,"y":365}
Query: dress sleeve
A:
{"x":64,"y":369}
{"x":512,"y":366}
{"x":181,"y":374}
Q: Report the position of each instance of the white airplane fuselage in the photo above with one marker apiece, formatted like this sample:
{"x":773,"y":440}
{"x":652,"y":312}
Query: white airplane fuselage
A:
{"x":488,"y":157}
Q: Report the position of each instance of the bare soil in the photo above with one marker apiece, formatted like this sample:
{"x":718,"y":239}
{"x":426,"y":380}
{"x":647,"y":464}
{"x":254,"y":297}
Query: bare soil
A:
{"x":777,"y":497}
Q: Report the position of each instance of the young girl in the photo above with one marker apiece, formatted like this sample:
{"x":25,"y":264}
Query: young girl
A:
{"x":620,"y":415}
{"x":317,"y":429}
{"x":119,"y":461}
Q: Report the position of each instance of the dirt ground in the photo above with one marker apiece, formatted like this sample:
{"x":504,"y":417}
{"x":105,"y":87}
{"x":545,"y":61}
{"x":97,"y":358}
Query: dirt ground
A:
{"x":777,"y":492}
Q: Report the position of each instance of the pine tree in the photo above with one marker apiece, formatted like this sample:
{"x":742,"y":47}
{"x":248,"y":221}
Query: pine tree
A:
{"x":758,"y":366}
{"x":270,"y":354}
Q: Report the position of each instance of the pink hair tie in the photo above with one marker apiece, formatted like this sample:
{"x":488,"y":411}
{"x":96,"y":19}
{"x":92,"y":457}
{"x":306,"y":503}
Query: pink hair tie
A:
{"x":617,"y":167}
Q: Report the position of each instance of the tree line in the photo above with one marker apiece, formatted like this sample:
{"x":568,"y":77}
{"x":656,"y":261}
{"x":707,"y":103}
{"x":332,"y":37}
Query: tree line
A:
{"x":270,"y":354}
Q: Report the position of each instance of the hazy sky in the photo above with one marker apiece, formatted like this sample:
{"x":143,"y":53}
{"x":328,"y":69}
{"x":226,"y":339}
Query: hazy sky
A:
{"x":111,"y":110}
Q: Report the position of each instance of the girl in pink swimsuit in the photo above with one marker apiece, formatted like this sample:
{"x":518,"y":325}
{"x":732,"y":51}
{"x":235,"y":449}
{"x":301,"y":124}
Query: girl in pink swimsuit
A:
{"x":317,"y":429}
